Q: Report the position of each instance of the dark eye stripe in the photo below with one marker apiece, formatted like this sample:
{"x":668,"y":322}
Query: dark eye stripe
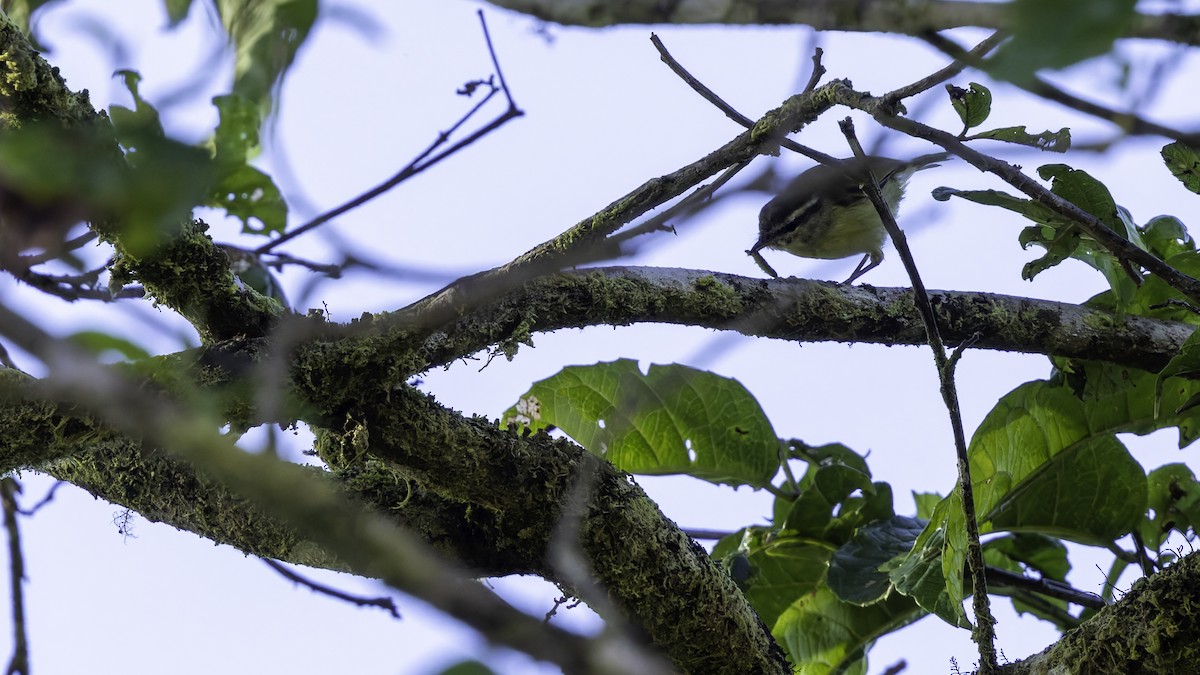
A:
{"x":782,"y":226}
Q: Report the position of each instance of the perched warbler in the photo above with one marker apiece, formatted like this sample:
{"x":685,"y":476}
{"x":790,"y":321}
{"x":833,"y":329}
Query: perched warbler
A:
{"x":823,"y":213}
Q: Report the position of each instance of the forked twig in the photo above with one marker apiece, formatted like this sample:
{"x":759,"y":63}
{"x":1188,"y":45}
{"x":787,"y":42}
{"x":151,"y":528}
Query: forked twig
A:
{"x":426,"y":158}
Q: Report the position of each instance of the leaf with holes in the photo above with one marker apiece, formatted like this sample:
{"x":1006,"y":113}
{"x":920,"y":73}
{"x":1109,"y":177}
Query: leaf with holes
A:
{"x":671,"y":420}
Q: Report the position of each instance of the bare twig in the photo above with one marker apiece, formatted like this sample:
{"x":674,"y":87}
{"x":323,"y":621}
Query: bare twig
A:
{"x":1050,"y":588}
{"x":69,"y":245}
{"x":818,"y":70}
{"x":984,"y":630}
{"x":9,"y":489}
{"x":711,"y":535}
{"x":957,"y":66}
{"x":685,"y":207}
{"x":729,"y":111}
{"x":384,"y":602}
{"x":44,"y":500}
{"x":426,"y":158}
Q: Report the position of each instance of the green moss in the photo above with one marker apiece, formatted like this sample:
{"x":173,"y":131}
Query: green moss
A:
{"x":714,"y":297}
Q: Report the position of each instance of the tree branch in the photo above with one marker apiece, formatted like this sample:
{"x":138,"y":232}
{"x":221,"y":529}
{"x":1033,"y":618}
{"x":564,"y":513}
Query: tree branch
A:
{"x":867,"y":16}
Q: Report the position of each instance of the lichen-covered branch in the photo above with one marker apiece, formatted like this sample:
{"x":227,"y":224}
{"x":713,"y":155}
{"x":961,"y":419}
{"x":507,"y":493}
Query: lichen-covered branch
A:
{"x":866,"y":16}
{"x":1153,"y":629}
{"x":804,"y":311}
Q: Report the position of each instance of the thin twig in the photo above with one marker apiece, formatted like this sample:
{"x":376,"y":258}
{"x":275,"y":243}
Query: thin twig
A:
{"x":729,"y":110}
{"x":711,"y":535}
{"x":44,"y":500}
{"x":818,"y":70}
{"x":1050,"y":588}
{"x":380,"y":602}
{"x":681,"y":209}
{"x":69,"y":245}
{"x":957,"y":66}
{"x":984,"y":631}
{"x":9,"y":489}
{"x":425,"y":159}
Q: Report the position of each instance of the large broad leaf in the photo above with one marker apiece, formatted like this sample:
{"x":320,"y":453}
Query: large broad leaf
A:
{"x":1043,"y":460}
{"x":674,"y":419}
{"x":824,"y":635}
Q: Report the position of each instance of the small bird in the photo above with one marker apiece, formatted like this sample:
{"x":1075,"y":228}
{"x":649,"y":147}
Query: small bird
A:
{"x":823,"y":213}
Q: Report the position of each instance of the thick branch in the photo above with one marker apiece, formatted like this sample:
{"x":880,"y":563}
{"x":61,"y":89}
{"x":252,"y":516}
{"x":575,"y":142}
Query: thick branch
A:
{"x":866,"y":16}
{"x":807,"y":311}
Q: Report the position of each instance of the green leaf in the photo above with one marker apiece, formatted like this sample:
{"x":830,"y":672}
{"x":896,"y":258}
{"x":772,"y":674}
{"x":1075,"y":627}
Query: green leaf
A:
{"x":140,"y":122}
{"x":781,"y":570}
{"x":1061,"y":237}
{"x":1167,"y":237}
{"x":1083,"y":190}
{"x":1032,"y":210}
{"x":1150,"y":299}
{"x":855,"y":573}
{"x":834,"y":501}
{"x":926,"y":574}
{"x":249,"y":194}
{"x":1185,"y":363}
{"x":1183,"y":163}
{"x":471,"y":667}
{"x":1040,"y":460}
{"x":177,"y":11}
{"x":1050,"y":141}
{"x":20,"y":12}
{"x":1174,"y":497}
{"x":99,"y":343}
{"x":823,"y":635}
{"x":972,"y":105}
{"x":266,"y":35}
{"x":244,"y":191}
{"x":73,"y":174}
{"x":237,"y":137}
{"x":1030,"y":551}
{"x":823,"y":489}
{"x":1120,"y":399}
{"x":673,"y":419}
{"x":1059,"y":33}
{"x":926,"y":501}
